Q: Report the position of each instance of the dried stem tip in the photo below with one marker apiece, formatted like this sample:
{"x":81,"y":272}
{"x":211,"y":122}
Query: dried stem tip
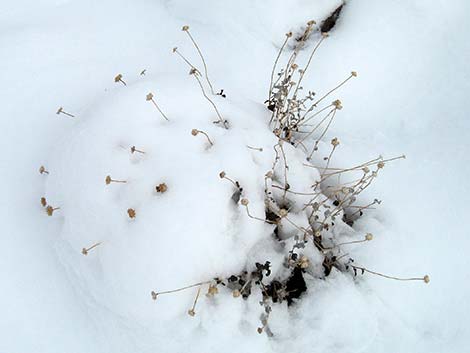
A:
{"x":133,"y":150}
{"x":43,"y":170}
{"x":131,"y":212}
{"x":185,"y":28}
{"x":109,"y":180}
{"x":195,"y":132}
{"x":244,"y":202}
{"x":369,"y":237}
{"x":118,"y":78}
{"x":43,"y":202}
{"x":337,"y":104}
{"x":426,"y":279}
{"x":50,"y":210}
{"x":62,"y":111}
{"x":149,"y":98}
{"x":154,"y":295}
{"x":161,"y":188}
{"x":86,"y":250}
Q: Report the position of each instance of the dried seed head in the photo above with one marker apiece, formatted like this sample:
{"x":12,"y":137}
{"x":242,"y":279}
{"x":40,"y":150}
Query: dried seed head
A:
{"x":222,"y":174}
{"x":354,"y":73}
{"x":325,"y":34}
{"x":260,"y":330}
{"x":277,"y":132}
{"x":236,"y":293}
{"x":426,"y":279}
{"x":154,"y":295}
{"x":283,"y":212}
{"x":337,"y":104}
{"x":289,"y":34}
{"x":84,"y":251}
{"x":131,"y":212}
{"x":108,"y":180}
{"x":175,"y":49}
{"x":380,"y":165}
{"x":42,"y":169}
{"x":191,"y":312}
{"x":366,"y":170}
{"x":194,"y":132}
{"x":59,"y":110}
{"x":43,"y":202}
{"x":311,"y":23}
{"x":213,"y":290}
{"x":161,"y":188}
{"x":304,"y":262}
{"x":269,"y":174}
{"x":244,"y":202}
{"x":49,"y":210}
{"x":294,"y":67}
{"x":369,"y":236}
{"x":335,"y":142}
{"x":118,"y":78}
{"x":185,"y":28}
{"x":149,"y":96}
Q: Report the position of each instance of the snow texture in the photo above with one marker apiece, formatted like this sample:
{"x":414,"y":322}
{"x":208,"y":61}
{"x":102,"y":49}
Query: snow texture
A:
{"x":409,"y":98}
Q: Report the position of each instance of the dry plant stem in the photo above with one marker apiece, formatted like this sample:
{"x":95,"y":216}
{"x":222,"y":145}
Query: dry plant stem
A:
{"x":323,"y":133}
{"x":275,"y":64}
{"x":347,"y":243}
{"x":62,"y":111}
{"x":156,"y":106}
{"x":374,"y":161}
{"x":232,"y":181}
{"x":86,"y":250}
{"x":316,"y":126}
{"x":303,"y":123}
{"x":207,"y":136}
{"x":332,"y":90}
{"x":308,"y":64}
{"x":362,"y":208}
{"x":286,"y":168}
{"x":192,"y":310}
{"x":328,"y":162}
{"x":257,"y":218}
{"x":386,"y":276}
{"x":182,"y":288}
{"x":221,"y":121}
{"x":175,"y":50}
{"x":255,"y":148}
{"x":203,"y":61}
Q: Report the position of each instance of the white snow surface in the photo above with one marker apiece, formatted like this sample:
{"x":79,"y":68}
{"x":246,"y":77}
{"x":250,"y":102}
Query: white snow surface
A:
{"x":409,"y":98}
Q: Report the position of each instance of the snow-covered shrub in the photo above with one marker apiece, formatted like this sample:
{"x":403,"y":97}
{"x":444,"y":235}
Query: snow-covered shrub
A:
{"x":253,"y":210}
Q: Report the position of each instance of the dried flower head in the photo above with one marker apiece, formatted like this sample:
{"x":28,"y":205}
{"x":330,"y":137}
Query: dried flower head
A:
{"x":50,"y":210}
{"x":260,"y":330}
{"x":191,"y":312}
{"x":154,"y":295}
{"x":161,"y":188}
{"x":222,"y":174}
{"x":131,"y":212}
{"x":325,"y":34}
{"x":193,"y":71}
{"x":244,"y":202}
{"x":380,"y":165}
{"x":294,"y":67}
{"x":283,"y":212}
{"x":118,"y":78}
{"x":354,"y":73}
{"x":289,"y":34}
{"x":43,"y":170}
{"x":311,"y":23}
{"x":149,"y":96}
{"x":337,"y":104}
{"x":175,"y":49}
{"x":194,"y":132}
{"x":369,"y":236}
{"x":236,"y":293}
{"x":212,"y":290}
{"x":335,"y":142}
{"x":366,"y":170}
{"x":84,"y":251}
{"x":426,"y":279}
{"x":108,"y":180}
{"x":185,"y":28}
{"x":304,"y":262}
{"x":269,"y":174}
{"x":43,"y":202}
